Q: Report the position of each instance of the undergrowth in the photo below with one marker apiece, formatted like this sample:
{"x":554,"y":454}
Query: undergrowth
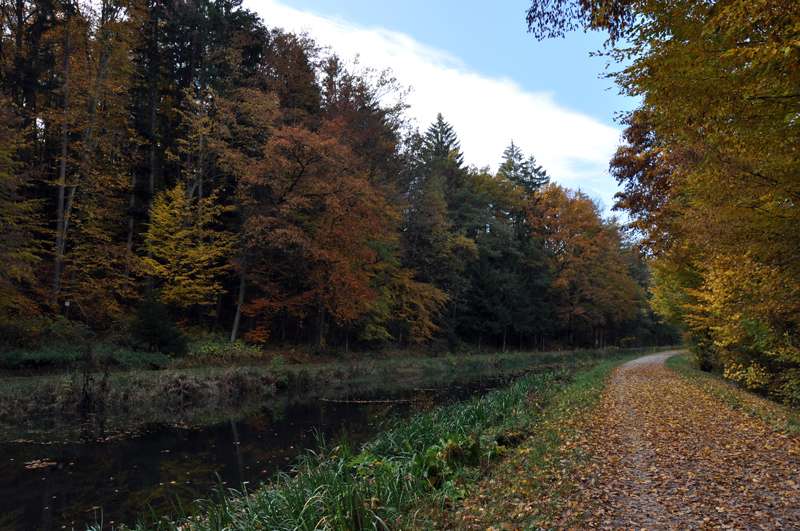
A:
{"x":519,"y":445}
{"x":779,"y":417}
{"x":435,"y":456}
{"x":65,"y":358}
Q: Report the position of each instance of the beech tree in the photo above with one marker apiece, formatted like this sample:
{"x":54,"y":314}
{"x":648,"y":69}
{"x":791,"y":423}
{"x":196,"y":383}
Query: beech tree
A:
{"x":591,"y":289}
{"x":188,"y":248}
{"x":89,"y":259}
{"x":715,"y":144}
{"x":18,"y":220}
{"x":313,"y":226}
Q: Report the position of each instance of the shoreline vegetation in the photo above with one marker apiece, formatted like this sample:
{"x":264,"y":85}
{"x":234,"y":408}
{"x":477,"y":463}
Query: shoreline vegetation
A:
{"x":780,"y":417}
{"x":92,"y":401}
{"x":415,"y":470}
{"x":458,"y":467}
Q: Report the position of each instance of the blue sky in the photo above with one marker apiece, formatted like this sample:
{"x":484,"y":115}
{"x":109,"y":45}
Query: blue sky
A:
{"x":476,"y":64}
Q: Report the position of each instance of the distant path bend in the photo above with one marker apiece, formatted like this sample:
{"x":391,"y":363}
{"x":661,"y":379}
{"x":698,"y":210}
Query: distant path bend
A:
{"x":669,"y":456}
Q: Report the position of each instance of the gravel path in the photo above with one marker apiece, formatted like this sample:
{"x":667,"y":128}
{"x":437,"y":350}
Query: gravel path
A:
{"x":671,"y":457}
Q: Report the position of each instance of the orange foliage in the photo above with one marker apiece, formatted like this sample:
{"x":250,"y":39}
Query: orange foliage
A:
{"x":313,"y":222}
{"x":590,"y":284}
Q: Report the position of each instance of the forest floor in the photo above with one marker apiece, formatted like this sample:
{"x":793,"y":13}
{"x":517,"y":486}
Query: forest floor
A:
{"x":649,"y":450}
{"x":669,"y":456}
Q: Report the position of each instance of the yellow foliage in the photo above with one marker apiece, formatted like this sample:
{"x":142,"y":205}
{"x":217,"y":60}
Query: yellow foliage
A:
{"x":411,"y":304}
{"x":753,"y":377}
{"x":189,"y":249}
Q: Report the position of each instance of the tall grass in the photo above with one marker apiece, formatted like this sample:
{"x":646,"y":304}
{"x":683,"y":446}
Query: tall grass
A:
{"x":34,"y":407}
{"x":434,"y":456}
{"x":54,"y":406}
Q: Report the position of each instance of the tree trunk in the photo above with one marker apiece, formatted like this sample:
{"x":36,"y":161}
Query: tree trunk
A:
{"x":58,"y":264}
{"x":131,"y":226}
{"x":237,"y":319}
{"x":321,"y":328}
{"x":85,"y":166}
{"x":218,"y":312}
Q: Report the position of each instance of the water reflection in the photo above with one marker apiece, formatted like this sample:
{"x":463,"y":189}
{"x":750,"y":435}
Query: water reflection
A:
{"x":65,"y":486}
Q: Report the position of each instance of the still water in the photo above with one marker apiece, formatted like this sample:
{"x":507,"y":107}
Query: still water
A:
{"x":70,"y":485}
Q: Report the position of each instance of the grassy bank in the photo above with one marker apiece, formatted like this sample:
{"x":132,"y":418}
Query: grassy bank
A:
{"x":458,"y":467}
{"x":780,"y":417}
{"x":98,"y":402}
{"x":539,"y":483}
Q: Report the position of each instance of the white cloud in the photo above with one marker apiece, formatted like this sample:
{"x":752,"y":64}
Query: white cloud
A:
{"x":486,"y":113}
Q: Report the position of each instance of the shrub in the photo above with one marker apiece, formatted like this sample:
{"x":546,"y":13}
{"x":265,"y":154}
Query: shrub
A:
{"x":43,"y":331}
{"x":130,"y":359}
{"x":222,"y":350}
{"x":64,"y":357}
{"x":153,"y":329}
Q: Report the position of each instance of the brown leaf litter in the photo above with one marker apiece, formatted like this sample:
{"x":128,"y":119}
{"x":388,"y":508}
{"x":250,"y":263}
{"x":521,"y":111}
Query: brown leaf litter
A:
{"x":668,"y":456}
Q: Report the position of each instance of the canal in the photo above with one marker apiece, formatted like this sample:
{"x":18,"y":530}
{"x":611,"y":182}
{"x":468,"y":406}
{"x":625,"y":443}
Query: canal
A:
{"x":68,"y":485}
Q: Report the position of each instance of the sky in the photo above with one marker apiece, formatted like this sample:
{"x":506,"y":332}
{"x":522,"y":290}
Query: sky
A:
{"x":475,"y":63}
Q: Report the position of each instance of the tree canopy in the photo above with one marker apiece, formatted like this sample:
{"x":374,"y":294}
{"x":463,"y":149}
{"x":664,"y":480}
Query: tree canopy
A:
{"x":188,"y":160}
{"x":710,"y":169}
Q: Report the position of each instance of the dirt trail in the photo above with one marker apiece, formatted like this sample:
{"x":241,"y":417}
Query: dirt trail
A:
{"x":671,"y":457}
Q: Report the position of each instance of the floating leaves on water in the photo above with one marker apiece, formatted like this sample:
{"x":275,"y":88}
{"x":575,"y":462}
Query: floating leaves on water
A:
{"x":39,"y":463}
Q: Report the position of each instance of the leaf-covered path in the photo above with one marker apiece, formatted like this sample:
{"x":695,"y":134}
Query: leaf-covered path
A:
{"x":670,"y":457}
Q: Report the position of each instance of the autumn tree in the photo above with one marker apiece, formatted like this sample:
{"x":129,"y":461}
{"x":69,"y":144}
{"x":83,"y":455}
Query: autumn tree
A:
{"x":89,"y":258}
{"x":718,"y":83}
{"x":370,"y":106}
{"x":314,"y":227}
{"x":405,"y":310}
{"x":591,"y":289}
{"x":18,"y":220}
{"x":188,"y":248}
{"x":289,"y":71}
{"x":246,"y":119}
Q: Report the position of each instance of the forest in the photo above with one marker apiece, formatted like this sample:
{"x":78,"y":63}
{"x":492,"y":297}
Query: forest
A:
{"x":182,"y":162}
{"x":710,"y":169}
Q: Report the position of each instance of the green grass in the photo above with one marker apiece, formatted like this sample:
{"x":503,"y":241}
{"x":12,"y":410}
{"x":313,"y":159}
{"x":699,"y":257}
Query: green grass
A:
{"x":411,"y":471}
{"x":34,"y":407}
{"x":69,"y":358}
{"x":537,"y":485}
{"x":779,"y":417}
{"x":335,"y":488}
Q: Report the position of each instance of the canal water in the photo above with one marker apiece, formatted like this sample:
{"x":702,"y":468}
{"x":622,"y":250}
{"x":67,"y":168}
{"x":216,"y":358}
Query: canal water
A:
{"x":70,"y":485}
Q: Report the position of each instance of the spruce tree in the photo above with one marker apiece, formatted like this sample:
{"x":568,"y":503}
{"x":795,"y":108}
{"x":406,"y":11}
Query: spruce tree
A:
{"x":441,"y":142}
{"x":524,"y":173}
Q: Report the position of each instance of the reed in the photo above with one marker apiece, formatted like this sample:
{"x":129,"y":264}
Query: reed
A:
{"x":34,"y":407}
{"x":433,"y":456}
